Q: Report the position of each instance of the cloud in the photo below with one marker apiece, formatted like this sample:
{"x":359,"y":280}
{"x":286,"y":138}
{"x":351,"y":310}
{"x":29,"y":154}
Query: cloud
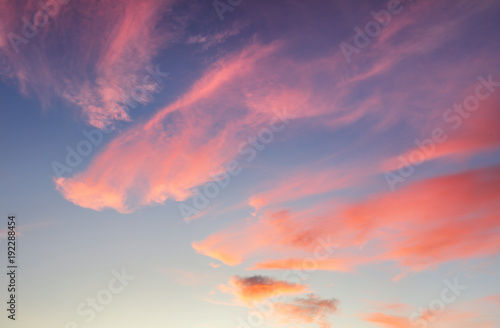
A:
{"x":440,"y":219}
{"x":465,"y":133}
{"x":303,"y":311}
{"x":273,"y":232}
{"x":162,"y":155}
{"x":393,"y":307}
{"x":223,"y":109}
{"x":432,"y":221}
{"x":310,"y":309}
{"x":344,"y":264}
{"x":92,"y":54}
{"x":448,"y":318}
{"x":387,"y":320}
{"x":231,"y":100}
{"x":429,"y":222}
{"x":305,"y":181}
{"x":210,"y":40}
{"x":254,"y":289}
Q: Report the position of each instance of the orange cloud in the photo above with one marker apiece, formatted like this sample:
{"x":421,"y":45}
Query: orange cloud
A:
{"x":259,"y":288}
{"x":274,"y":233}
{"x":462,"y":317}
{"x":449,"y":318}
{"x":387,"y":320}
{"x":334,"y":264}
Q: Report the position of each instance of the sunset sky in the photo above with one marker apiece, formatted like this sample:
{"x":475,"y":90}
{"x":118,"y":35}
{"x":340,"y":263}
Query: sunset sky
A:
{"x":251,"y":163}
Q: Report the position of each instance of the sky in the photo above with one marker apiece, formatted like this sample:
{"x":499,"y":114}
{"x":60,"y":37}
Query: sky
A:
{"x":236,"y":163}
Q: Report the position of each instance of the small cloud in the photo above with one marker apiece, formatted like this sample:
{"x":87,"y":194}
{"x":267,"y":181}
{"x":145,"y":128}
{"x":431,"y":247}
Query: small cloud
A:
{"x":259,"y":288}
{"x":309,"y":310}
{"x":208,"y":41}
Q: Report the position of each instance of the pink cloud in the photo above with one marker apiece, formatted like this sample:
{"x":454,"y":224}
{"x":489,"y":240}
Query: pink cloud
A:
{"x":117,"y":43}
{"x":464,"y":133}
{"x":307,"y":181}
{"x":387,"y":320}
{"x":163,"y":153}
{"x":425,"y":224}
{"x":231,"y":100}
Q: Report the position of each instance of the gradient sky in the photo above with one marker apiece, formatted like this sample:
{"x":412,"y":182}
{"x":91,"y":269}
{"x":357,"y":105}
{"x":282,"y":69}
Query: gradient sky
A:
{"x":252,"y":163}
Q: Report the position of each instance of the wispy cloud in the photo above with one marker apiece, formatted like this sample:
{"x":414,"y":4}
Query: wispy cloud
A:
{"x":450,"y":318}
{"x":232,"y":99}
{"x":93,"y":54}
{"x":436,"y":220}
{"x":307,"y":310}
